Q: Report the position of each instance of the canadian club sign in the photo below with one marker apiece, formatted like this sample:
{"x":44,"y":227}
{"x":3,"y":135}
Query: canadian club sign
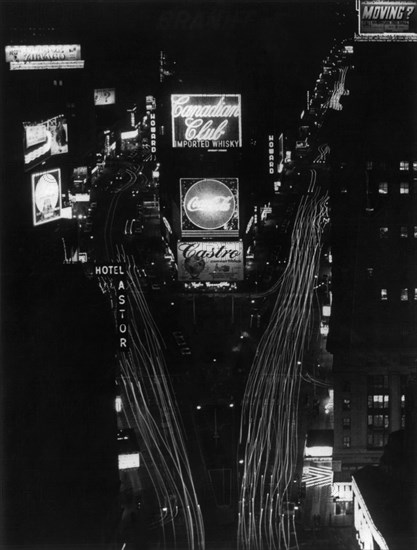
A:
{"x":206,"y":121}
{"x":209,"y":207}
{"x":210,"y":261}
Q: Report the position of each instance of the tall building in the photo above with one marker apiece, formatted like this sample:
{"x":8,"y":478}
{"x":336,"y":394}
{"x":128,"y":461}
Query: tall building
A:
{"x":373,"y":326}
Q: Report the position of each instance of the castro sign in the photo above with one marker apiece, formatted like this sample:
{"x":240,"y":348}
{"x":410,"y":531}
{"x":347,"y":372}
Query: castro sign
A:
{"x":209,"y":206}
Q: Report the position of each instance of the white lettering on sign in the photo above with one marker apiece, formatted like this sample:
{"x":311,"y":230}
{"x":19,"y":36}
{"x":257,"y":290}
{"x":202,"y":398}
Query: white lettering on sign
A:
{"x":109,"y":270}
{"x":214,"y":204}
{"x":193,"y":250}
{"x":220,"y":109}
{"x":388,"y":13}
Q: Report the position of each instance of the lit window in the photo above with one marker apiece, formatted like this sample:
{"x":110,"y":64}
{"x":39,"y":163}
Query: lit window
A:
{"x":346,"y":404}
{"x":346,"y":422}
{"x":415,"y":294}
{"x":404,"y":294}
{"x":404,"y":231}
{"x":403,"y":401}
{"x":414,"y":165}
{"x":378,"y":420}
{"x":386,"y":421}
{"x":370,"y":420}
{"x":346,"y":442}
{"x":383,"y":232}
{"x":384,"y":294}
{"x":369,"y":164}
{"x":383,"y":188}
{"x":404,"y":165}
{"x":378,"y":401}
{"x":386,"y":401}
{"x":404,"y":188}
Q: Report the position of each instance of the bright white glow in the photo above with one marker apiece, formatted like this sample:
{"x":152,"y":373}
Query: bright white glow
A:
{"x":241,"y":461}
{"x":129,"y":135}
{"x":128,"y":461}
{"x":198,"y":407}
{"x":118,"y":404}
{"x":367,"y":532}
{"x":326,"y":311}
{"x":231,"y":405}
{"x":319,"y":451}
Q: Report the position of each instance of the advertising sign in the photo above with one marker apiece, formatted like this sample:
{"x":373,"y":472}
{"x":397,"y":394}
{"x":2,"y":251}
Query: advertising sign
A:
{"x":210,"y":261}
{"x":206,"y":121}
{"x":46,"y":196}
{"x":105,"y":96}
{"x":387,"y":20}
{"x":38,"y":52}
{"x":44,"y":139}
{"x":40,"y":56}
{"x":209,"y":207}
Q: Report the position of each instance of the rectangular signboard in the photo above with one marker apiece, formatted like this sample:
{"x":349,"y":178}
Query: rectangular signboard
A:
{"x":386,"y":20}
{"x":44,"y":139}
{"x":208,"y":121}
{"x":46,"y":196}
{"x":209,"y":207}
{"x":210,"y":261}
{"x":104,"y":96}
{"x":42,"y":52}
{"x":41,"y":65}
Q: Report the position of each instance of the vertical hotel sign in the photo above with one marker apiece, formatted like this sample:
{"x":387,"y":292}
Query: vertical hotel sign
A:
{"x":382,"y":20}
{"x":208,"y":121}
{"x":118,"y":274}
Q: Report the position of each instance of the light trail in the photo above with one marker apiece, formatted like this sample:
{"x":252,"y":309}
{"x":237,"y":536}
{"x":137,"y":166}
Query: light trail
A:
{"x":149,"y":408}
{"x":269,"y":420}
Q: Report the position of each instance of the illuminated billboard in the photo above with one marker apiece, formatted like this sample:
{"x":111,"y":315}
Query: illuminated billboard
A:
{"x":42,"y":56}
{"x":46,"y":196}
{"x":382,"y":20}
{"x":209,"y":121}
{"x":104,"y":96}
{"x":44,"y":139}
{"x":210,"y":261}
{"x":209,"y":207}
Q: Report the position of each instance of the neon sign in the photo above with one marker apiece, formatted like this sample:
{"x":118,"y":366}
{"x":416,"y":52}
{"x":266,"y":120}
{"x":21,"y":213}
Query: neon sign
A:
{"x":209,"y":206}
{"x":206,"y":121}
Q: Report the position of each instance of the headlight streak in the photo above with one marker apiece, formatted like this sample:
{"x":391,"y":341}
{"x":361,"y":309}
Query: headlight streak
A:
{"x":149,"y":408}
{"x":269,"y":420}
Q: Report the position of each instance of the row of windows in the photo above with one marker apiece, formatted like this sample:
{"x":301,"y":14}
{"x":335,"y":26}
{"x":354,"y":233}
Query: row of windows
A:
{"x":404,"y":188}
{"x":405,"y":294}
{"x":404,"y":165}
{"x":378,"y":401}
{"x":384,"y":232}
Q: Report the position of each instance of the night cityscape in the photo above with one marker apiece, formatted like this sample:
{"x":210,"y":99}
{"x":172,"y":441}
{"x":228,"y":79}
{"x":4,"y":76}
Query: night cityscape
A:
{"x":209,"y":275}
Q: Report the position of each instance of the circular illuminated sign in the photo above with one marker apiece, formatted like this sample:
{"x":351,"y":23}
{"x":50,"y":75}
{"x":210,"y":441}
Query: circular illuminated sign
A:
{"x":46,"y":194}
{"x":209,"y":204}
